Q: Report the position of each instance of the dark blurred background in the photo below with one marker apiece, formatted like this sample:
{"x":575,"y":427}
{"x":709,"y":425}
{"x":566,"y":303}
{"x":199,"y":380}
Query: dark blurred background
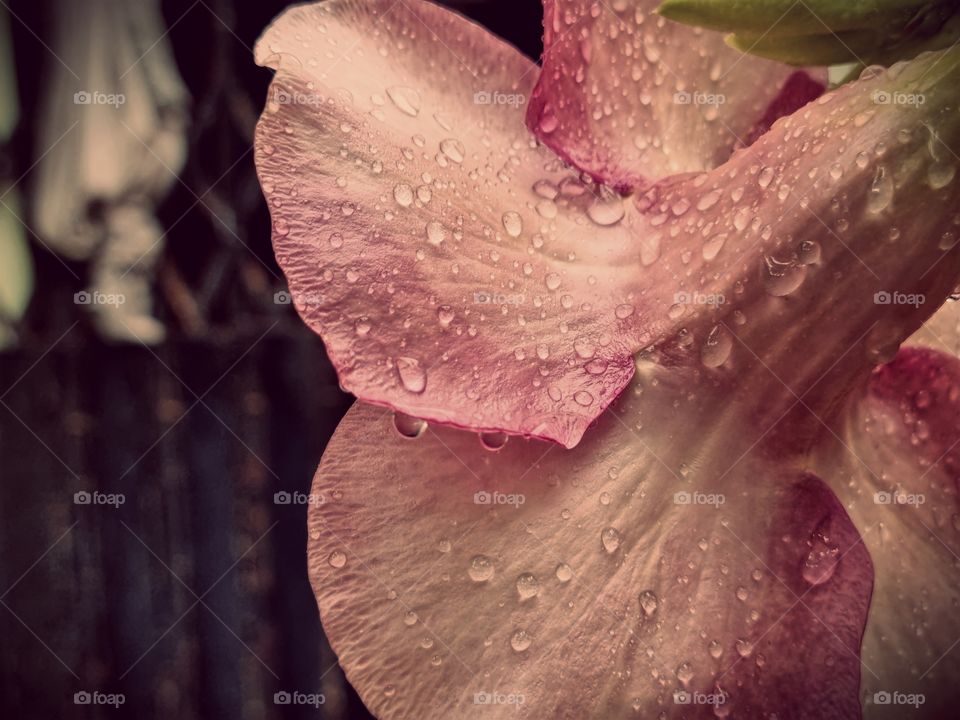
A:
{"x":191,"y":598}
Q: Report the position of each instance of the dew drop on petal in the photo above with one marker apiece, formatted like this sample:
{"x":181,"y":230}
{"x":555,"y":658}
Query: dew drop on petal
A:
{"x":412,"y":376}
{"x":493,"y":440}
{"x":407,"y":100}
{"x":649,"y":602}
{"x":337,"y":559}
{"x":436,"y":233}
{"x":481,"y":568}
{"x":520,"y":640}
{"x":717,"y":347}
{"x":409,"y":426}
{"x":512,"y":223}
{"x":528,"y":586}
{"x":564,"y":573}
{"x":610,"y":539}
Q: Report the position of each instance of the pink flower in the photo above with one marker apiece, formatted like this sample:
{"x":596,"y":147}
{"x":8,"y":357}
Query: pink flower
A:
{"x":740,"y":514}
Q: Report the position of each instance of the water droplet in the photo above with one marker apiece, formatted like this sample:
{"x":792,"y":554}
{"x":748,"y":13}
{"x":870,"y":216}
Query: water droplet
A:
{"x":822,"y":559}
{"x":649,"y":602}
{"x":582,"y":397}
{"x":412,"y":376}
{"x":610,"y":538}
{"x":717,"y":347}
{"x":410,"y":618}
{"x":940,"y":174}
{"x":564,"y":573}
{"x":528,"y":586}
{"x":782,"y":276}
{"x":765,"y":177}
{"x":445,"y":315}
{"x":552,"y":281}
{"x":337,"y":559}
{"x":744,"y":647}
{"x":512,"y":223}
{"x":436,"y":233}
{"x":607,"y":209}
{"x":520,"y":640}
{"x":494,"y":440}
{"x":684,"y":673}
{"x":389,"y":691}
{"x":444,"y":545}
{"x":880,"y":194}
{"x":409,"y":426}
{"x":406,"y":99}
{"x":403,"y":194}
{"x":623,"y":311}
{"x":809,"y":252}
{"x":481,"y":568}
{"x":715,"y":649}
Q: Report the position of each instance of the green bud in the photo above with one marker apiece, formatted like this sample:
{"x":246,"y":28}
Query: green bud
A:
{"x":825,"y":32}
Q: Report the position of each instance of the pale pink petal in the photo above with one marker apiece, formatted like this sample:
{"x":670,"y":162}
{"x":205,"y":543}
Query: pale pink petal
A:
{"x":630,"y":97}
{"x":826,"y":243}
{"x":895,"y":463}
{"x":579,"y":579}
{"x":455,"y":270}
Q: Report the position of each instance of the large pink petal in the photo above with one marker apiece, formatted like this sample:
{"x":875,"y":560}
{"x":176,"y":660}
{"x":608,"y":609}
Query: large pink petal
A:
{"x":601,"y":594}
{"x":895,"y":462}
{"x":630,"y":97}
{"x":831,"y":239}
{"x":455,"y":269}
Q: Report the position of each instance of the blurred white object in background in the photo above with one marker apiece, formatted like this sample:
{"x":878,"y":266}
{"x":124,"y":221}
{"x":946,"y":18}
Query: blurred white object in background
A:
{"x":16,"y":265}
{"x":111,"y":142}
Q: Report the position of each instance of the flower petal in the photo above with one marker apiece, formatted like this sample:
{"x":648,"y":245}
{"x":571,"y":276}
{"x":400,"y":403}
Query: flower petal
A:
{"x":895,"y":467}
{"x":808,"y":243}
{"x":595,"y":582}
{"x":453,"y":267}
{"x":630,"y":97}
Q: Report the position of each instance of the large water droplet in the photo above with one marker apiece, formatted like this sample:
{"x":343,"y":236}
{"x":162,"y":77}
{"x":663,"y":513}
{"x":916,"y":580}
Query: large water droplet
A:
{"x":481,"y":568}
{"x":494,"y":440}
{"x":436,"y":233}
{"x":528,"y":586}
{"x":403,"y":194}
{"x":406,"y":99}
{"x":880,"y":194}
{"x":564,"y":573}
{"x":409,"y":426}
{"x":520,"y":640}
{"x":337,"y":559}
{"x":512,"y":223}
{"x":821,"y":561}
{"x":610,"y":538}
{"x":412,"y":376}
{"x":782,"y":276}
{"x":607,"y":209}
{"x":717,"y":347}
{"x":648,"y":602}
{"x":453,"y":149}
